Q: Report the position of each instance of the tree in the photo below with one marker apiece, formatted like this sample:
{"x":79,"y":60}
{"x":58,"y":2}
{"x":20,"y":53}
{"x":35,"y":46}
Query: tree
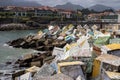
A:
{"x":108,"y":10}
{"x":85,"y":11}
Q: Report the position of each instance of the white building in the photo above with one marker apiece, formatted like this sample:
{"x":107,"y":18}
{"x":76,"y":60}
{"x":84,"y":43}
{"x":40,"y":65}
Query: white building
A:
{"x":111,"y":18}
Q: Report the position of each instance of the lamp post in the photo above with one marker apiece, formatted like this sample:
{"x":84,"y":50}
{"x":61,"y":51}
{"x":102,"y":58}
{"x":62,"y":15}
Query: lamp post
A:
{"x":79,"y":14}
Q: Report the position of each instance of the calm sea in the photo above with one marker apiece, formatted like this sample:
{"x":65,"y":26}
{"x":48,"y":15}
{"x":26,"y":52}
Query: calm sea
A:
{"x":7,"y":52}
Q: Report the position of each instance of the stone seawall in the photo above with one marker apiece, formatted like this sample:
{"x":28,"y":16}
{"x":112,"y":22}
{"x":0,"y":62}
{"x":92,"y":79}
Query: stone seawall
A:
{"x":16,"y":26}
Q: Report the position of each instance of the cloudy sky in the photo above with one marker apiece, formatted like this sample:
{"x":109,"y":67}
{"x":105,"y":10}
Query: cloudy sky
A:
{"x":84,"y":3}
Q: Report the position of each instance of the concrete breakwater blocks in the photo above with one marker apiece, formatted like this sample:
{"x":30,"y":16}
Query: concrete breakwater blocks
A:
{"x":41,"y":44}
{"x":45,"y":70}
{"x":36,"y":59}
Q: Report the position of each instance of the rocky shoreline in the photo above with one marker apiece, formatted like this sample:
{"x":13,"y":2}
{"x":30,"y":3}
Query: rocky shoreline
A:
{"x":12,"y":68}
{"x":45,"y":42}
{"x":44,"y":45}
{"x":17,"y":26}
{"x":37,"y":43}
{"x":63,"y":54}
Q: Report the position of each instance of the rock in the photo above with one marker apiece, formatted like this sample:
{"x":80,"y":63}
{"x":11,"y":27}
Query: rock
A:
{"x":6,"y":72}
{"x":72,"y":69}
{"x":26,"y":76}
{"x":29,"y":39}
{"x":35,"y":42}
{"x":6,"y":77}
{"x":16,"y":43}
{"x":40,"y":43}
{"x":37,"y":59}
{"x":55,"y":77}
{"x":23,"y":43}
{"x":32,"y":44}
{"x":49,"y":48}
{"x":36,"y":63}
{"x":80,"y":78}
{"x":40,"y":48}
{"x":36,"y":37}
{"x":48,"y":59}
{"x":27,"y":56}
{"x":8,"y":62}
{"x":13,"y":26}
{"x":33,"y":69}
{"x":17,"y":74}
{"x":45,"y":70}
{"x":24,"y":64}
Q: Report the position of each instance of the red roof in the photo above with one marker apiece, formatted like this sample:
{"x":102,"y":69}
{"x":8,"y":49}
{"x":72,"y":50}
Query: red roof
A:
{"x":39,"y":8}
{"x":47,"y":8}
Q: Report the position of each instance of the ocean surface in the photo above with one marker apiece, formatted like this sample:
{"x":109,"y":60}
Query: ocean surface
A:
{"x":9,"y":53}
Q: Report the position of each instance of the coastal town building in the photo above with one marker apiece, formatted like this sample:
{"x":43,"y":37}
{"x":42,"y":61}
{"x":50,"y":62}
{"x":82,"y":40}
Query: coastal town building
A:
{"x":114,"y":27}
{"x":104,"y":17}
{"x":93,"y":17}
{"x":43,"y":11}
{"x":97,"y":16}
{"x":110,"y":18}
{"x":66,"y":13}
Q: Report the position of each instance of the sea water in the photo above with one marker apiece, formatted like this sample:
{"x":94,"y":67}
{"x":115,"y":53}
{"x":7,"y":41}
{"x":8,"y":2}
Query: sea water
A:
{"x":8,"y":52}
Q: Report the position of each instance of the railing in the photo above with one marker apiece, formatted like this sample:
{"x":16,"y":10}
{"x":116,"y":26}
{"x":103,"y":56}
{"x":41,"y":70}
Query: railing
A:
{"x":62,"y":23}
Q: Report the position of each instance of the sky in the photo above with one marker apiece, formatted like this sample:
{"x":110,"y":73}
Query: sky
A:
{"x":85,"y":3}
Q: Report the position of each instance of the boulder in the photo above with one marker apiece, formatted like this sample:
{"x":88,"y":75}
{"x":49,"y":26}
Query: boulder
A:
{"x":36,"y":63}
{"x":32,"y":69}
{"x":55,"y":77}
{"x":17,"y":74}
{"x":45,"y":70}
{"x":27,"y":56}
{"x":26,"y":76}
{"x":48,"y":59}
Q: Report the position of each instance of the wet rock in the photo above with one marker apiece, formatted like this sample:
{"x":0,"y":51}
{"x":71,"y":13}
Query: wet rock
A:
{"x":8,"y":62}
{"x":36,"y":63}
{"x":49,"y":48}
{"x":16,"y":43}
{"x":24,"y":64}
{"x":33,"y":69}
{"x":36,"y":59}
{"x":27,"y":56}
{"x":41,"y":44}
{"x":29,"y":39}
{"x":40,"y":48}
{"x":17,"y":74}
{"x":5,"y":77}
{"x":48,"y":59}
{"x":22,"y":43}
{"x":36,"y":37}
{"x":6,"y":72}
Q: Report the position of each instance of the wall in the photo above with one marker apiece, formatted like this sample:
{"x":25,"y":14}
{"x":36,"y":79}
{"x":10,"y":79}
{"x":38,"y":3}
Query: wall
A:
{"x":118,"y":17}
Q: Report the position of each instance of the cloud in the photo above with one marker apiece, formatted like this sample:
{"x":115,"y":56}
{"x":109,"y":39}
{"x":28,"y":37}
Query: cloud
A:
{"x":59,"y":2}
{"x":112,"y":3}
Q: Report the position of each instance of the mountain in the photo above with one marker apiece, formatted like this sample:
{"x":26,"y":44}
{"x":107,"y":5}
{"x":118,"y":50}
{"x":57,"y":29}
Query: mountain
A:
{"x":99,"y":7}
{"x":69,"y":6}
{"x":18,"y":3}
